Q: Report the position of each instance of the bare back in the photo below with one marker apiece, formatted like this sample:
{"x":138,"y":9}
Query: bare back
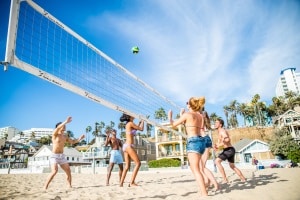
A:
{"x":193,"y":123}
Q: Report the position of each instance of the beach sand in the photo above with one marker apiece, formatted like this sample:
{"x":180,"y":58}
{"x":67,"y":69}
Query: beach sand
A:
{"x":279,"y":183}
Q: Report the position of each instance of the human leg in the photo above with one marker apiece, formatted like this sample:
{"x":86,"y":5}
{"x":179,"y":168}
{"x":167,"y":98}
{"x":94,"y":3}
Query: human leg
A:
{"x":194,"y":160}
{"x":137,"y":166}
{"x":127,"y":167}
{"x":209,"y":177}
{"x":218,"y":162}
{"x":237,"y":171}
{"x":54,"y":169}
{"x":110,"y":168}
{"x":66,"y":168}
{"x":120,"y":171}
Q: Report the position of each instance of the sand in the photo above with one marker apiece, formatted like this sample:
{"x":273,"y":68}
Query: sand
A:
{"x":280,"y":183}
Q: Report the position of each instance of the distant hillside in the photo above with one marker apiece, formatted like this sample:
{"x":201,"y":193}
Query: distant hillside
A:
{"x":247,"y":132}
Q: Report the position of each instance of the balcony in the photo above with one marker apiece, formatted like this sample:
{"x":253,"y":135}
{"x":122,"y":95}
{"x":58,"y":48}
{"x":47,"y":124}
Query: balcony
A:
{"x":95,"y":155}
{"x":166,"y":138}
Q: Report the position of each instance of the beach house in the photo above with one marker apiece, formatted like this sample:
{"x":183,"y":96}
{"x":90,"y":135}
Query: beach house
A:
{"x":170,"y":144}
{"x":291,"y":120}
{"x":39,"y":162}
{"x":246,"y":149}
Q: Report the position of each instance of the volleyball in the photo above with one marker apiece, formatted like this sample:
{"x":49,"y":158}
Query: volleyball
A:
{"x":135,"y":49}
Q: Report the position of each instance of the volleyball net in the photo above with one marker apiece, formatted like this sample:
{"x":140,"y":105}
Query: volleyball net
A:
{"x":41,"y":45}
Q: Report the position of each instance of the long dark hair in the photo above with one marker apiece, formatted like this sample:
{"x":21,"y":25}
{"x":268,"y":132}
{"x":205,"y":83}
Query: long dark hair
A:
{"x":125,"y":118}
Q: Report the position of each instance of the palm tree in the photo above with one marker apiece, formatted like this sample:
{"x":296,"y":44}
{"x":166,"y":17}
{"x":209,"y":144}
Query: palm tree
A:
{"x":121,"y":126}
{"x":70,"y":134}
{"x":243,"y":110}
{"x":110,"y":127}
{"x":88,"y":129}
{"x":5,"y":136}
{"x":226,"y":109}
{"x":213,"y":117}
{"x":32,"y":136}
{"x":160,"y":114}
{"x":233,"y":108}
{"x":291,"y":99}
{"x":95,"y":132}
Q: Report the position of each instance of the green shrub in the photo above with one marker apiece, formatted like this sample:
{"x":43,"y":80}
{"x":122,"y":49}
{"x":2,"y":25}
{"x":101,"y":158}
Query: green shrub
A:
{"x":294,"y":156}
{"x":165,"y":162}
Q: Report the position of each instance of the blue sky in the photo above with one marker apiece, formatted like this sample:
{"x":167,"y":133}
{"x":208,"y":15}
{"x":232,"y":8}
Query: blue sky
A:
{"x":223,"y":50}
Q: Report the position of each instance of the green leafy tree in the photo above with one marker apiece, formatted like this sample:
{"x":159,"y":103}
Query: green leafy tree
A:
{"x":160,"y":114}
{"x":121,"y":127}
{"x":282,"y":144}
{"x":88,"y":129}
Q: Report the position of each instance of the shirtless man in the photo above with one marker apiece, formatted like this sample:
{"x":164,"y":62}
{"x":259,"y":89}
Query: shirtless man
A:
{"x":228,"y":152}
{"x":58,"y":157}
{"x":115,"y":154}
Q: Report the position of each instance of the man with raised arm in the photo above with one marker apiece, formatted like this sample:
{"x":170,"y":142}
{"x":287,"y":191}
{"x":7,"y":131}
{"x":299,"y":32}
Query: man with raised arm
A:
{"x":57,"y":157}
{"x":115,"y":153}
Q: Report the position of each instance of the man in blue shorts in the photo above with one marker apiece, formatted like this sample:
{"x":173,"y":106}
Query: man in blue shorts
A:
{"x":115,"y":154}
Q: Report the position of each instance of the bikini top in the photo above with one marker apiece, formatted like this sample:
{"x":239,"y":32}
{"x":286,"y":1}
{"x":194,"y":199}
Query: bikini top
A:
{"x":133,"y":132}
{"x":194,"y":126}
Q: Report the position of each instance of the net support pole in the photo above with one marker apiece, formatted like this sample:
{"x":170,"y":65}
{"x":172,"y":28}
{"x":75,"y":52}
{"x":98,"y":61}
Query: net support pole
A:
{"x":11,"y":33}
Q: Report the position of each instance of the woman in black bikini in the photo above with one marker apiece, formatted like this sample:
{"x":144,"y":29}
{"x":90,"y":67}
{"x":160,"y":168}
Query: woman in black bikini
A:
{"x":128,"y":148}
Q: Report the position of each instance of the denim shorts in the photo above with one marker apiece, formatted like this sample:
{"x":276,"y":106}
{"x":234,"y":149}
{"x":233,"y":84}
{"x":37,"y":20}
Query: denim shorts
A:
{"x":208,"y":142}
{"x":195,"y":144}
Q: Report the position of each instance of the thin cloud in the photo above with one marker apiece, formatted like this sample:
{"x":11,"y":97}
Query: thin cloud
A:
{"x":211,"y":48}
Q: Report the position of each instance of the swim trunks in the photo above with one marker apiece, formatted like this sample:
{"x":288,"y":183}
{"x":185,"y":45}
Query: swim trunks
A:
{"x":116,"y":157}
{"x":228,"y":153}
{"x":58,"y":158}
{"x":195,"y":144}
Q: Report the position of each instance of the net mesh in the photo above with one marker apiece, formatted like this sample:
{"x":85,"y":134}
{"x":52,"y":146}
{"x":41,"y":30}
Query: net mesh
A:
{"x":45,"y":44}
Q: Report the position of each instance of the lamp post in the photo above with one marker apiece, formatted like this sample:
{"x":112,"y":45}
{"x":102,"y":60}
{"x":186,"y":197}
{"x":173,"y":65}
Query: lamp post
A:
{"x":213,"y":151}
{"x":93,"y":152}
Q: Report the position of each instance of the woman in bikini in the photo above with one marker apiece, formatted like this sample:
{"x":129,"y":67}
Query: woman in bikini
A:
{"x":128,"y":148}
{"x":195,"y":145}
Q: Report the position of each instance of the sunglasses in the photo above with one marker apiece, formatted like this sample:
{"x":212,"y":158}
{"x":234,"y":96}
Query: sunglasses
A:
{"x":187,"y":103}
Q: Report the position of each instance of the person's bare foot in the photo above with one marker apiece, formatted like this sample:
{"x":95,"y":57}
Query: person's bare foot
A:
{"x":216,"y":187}
{"x":132,"y":184}
{"x":244,"y":180}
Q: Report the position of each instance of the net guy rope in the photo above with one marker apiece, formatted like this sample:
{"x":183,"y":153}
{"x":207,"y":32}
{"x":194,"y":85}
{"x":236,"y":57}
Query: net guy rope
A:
{"x":41,"y":45}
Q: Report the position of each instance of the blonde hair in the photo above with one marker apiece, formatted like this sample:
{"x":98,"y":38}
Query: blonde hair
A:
{"x":196,"y":104}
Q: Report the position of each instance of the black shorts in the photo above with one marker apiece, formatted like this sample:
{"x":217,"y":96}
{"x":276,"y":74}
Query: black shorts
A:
{"x":227,"y":154}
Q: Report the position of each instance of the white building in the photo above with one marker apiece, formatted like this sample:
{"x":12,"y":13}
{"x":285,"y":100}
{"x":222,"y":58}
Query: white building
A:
{"x":27,"y":135}
{"x":289,"y":81}
{"x":39,"y":162}
{"x":10,"y":131}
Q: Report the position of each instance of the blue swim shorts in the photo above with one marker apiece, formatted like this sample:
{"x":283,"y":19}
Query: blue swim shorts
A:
{"x":116,"y":157}
{"x":195,"y":144}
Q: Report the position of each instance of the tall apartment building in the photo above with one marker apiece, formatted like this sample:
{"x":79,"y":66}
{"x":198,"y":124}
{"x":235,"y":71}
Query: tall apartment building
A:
{"x":289,"y":81}
{"x":9,"y":132}
{"x":33,"y":133}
